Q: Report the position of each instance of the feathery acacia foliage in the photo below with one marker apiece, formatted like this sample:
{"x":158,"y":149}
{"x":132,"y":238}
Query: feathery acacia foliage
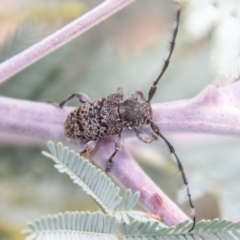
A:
{"x":92,"y":180}
{"x":114,"y":222}
{"x":87,"y":225}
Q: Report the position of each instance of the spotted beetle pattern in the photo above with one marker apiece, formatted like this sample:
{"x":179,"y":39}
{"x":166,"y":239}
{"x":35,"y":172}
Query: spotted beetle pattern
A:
{"x":95,"y":119}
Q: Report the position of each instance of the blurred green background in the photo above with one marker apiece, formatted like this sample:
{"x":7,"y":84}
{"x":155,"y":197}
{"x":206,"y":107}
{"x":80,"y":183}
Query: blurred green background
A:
{"x":127,"y":50}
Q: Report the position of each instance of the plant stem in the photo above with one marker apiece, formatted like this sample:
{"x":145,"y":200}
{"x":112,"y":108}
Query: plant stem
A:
{"x":61,"y":37}
{"x":45,"y":121}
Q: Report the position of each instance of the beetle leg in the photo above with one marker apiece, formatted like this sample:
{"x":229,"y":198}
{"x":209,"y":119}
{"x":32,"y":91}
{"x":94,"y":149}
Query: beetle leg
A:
{"x":136,"y":94}
{"x":118,"y":146}
{"x":83,"y":98}
{"x":89,"y":146}
{"x":143,"y":137}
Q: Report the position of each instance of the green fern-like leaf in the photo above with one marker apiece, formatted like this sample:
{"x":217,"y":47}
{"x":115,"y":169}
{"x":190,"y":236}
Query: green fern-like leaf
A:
{"x":92,"y":180}
{"x":77,"y":225}
{"x":73,"y":225}
{"x":127,"y":203}
{"x":129,"y":200}
{"x":204,"y":230}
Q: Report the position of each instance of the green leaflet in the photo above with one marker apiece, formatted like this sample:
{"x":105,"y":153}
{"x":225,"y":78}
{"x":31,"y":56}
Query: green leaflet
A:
{"x":216,"y":229}
{"x":73,"y":225}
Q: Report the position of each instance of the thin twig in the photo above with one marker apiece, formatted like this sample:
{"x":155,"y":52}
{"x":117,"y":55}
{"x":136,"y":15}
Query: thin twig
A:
{"x":59,"y":38}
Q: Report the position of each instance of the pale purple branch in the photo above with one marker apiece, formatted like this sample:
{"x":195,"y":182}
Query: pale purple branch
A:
{"x":44,"y":121}
{"x":128,"y":173}
{"x":214,"y":110}
{"x":61,"y":37}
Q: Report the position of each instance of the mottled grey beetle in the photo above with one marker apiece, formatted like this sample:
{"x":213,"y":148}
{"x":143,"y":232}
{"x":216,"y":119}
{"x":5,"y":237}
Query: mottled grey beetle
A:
{"x":109,"y":115}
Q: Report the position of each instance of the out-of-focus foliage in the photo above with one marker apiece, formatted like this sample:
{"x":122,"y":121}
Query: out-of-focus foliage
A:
{"x":221,"y":19}
{"x":126,"y":50}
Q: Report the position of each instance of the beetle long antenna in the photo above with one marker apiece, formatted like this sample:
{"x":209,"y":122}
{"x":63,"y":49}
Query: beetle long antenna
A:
{"x":166,"y":62}
{"x":156,"y":130}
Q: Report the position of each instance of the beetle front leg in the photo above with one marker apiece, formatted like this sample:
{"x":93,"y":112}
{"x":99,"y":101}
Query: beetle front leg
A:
{"x":118,"y":146}
{"x":143,"y":137}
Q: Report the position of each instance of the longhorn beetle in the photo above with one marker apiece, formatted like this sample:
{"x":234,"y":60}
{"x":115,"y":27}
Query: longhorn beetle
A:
{"x":109,"y":115}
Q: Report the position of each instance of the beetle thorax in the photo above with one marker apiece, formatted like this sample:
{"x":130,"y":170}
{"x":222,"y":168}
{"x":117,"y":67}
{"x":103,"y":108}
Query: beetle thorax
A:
{"x":134,"y":113}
